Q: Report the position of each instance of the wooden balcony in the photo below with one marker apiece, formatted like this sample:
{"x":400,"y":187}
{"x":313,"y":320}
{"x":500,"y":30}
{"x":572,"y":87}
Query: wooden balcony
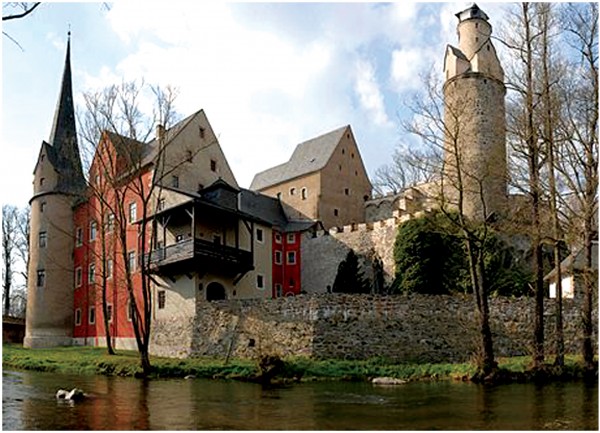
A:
{"x":199,"y":255}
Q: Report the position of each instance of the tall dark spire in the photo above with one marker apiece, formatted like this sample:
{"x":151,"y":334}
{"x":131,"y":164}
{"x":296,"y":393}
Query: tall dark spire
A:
{"x":63,"y":137}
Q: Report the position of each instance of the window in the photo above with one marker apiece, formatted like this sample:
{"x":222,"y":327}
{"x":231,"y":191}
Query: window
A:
{"x":213,"y":165}
{"x":340,"y":167}
{"x":92,"y":315}
{"x":178,"y":238}
{"x":291,"y":257}
{"x":42,"y":239}
{"x":260,"y":282}
{"x":131,"y":260}
{"x":352,"y":155}
{"x":78,"y":317}
{"x":343,"y":151}
{"x":336,"y":212}
{"x":161,"y":204}
{"x":109,"y":269}
{"x":41,"y":278}
{"x":129,"y":311}
{"x":291,"y":238}
{"x":347,"y":191}
{"x":200,"y":187}
{"x":278,"y":257}
{"x":259,"y":235}
{"x":132,"y":212}
{"x":189,"y":156}
{"x":303,"y":193}
{"x":292,"y":191}
{"x":278,"y":290}
{"x":79,"y":237}
{"x":78,"y":276}
{"x":202,"y":131}
{"x":92,"y":273}
{"x":109,"y":313}
{"x":175,"y":181}
{"x":277,"y":237}
{"x":42,"y":180}
{"x":110,"y":222}
{"x":43,"y":206}
{"x":93,"y":230}
{"x":162,"y":299}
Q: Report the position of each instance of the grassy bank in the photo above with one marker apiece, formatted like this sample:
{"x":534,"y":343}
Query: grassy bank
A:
{"x":91,"y":360}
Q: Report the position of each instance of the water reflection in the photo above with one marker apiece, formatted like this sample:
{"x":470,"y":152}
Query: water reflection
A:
{"x":130,"y":404}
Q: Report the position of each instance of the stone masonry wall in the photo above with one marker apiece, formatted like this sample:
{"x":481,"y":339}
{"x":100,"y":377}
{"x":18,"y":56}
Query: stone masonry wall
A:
{"x":322,"y":254}
{"x":414,"y":328}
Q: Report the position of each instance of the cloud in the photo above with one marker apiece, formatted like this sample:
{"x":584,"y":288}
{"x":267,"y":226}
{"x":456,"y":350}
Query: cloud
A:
{"x":368,"y":91}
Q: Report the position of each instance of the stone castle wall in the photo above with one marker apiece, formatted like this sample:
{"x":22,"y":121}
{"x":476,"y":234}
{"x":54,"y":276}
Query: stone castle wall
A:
{"x":322,"y":253}
{"x":414,"y":328}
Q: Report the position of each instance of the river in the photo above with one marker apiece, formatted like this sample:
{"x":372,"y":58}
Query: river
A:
{"x":117,"y":403}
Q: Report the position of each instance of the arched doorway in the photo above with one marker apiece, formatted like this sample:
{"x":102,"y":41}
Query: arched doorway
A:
{"x":215,"y":292}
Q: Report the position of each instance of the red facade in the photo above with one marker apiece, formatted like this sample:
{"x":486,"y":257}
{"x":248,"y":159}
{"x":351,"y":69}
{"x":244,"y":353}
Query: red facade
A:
{"x":286,"y":264}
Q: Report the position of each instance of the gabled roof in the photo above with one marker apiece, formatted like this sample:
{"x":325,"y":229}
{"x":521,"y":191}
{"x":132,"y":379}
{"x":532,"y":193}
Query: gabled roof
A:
{"x":575,"y":262}
{"x":458,"y":53}
{"x":308,"y":157}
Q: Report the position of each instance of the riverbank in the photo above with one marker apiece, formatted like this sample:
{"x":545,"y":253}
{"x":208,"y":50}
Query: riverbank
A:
{"x":93,"y":360}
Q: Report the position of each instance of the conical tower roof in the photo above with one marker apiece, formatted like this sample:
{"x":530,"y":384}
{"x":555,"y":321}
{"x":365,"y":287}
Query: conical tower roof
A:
{"x":63,"y":137}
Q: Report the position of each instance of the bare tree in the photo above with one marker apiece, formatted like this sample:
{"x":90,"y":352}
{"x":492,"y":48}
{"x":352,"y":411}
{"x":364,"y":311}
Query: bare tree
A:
{"x":523,"y":41}
{"x":578,"y":160}
{"x":439,"y":122}
{"x":409,"y":167}
{"x":17,"y":10}
{"x":133,"y":172}
{"x":9,"y":241}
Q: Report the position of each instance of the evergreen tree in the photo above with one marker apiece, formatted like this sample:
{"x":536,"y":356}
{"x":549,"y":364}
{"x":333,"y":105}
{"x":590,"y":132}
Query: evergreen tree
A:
{"x":349,"y":279}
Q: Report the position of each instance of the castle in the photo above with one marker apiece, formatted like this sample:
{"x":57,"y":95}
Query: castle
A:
{"x":212,"y":240}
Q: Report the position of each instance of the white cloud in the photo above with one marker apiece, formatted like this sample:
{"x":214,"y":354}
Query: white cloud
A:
{"x":368,"y":91}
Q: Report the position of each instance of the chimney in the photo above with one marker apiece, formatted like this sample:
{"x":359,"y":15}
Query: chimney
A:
{"x":160,"y":132}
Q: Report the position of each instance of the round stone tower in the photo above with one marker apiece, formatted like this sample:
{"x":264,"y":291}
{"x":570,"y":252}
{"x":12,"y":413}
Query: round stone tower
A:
{"x":474,"y":116}
{"x":57,"y":184}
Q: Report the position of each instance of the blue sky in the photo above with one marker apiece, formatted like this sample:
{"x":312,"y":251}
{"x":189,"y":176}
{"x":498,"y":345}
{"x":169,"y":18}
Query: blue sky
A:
{"x":268,"y":76}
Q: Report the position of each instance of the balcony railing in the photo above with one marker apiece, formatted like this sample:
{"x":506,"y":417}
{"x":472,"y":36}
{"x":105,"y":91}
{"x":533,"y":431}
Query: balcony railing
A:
{"x":199,"y":252}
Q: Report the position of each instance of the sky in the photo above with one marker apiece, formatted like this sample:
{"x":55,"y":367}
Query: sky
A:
{"x":268,"y":75}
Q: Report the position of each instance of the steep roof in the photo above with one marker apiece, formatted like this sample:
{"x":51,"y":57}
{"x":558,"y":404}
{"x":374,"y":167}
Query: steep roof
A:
{"x":62,"y":148}
{"x":308,"y":157}
{"x":575,"y":262}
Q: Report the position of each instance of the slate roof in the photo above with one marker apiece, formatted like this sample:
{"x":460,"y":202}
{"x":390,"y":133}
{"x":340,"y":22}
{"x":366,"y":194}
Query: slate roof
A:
{"x":251,"y":204}
{"x":308,"y":157}
{"x":62,"y":148}
{"x":575,"y":262}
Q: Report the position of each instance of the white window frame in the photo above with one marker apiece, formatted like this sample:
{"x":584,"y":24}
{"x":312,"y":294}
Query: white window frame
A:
{"x":93,"y":230}
{"x":78,"y":237}
{"x":278,"y":257}
{"x":111,"y":312}
{"x":131,"y":260}
{"x":91,"y":273}
{"x":290,"y":254}
{"x":109,"y":269}
{"x":278,"y":237}
{"x":78,"y":276}
{"x":132,"y":212}
{"x":291,"y":238}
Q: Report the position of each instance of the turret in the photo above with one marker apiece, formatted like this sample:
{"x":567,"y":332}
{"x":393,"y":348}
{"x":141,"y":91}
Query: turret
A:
{"x":475,"y":142}
{"x":57,"y":184}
